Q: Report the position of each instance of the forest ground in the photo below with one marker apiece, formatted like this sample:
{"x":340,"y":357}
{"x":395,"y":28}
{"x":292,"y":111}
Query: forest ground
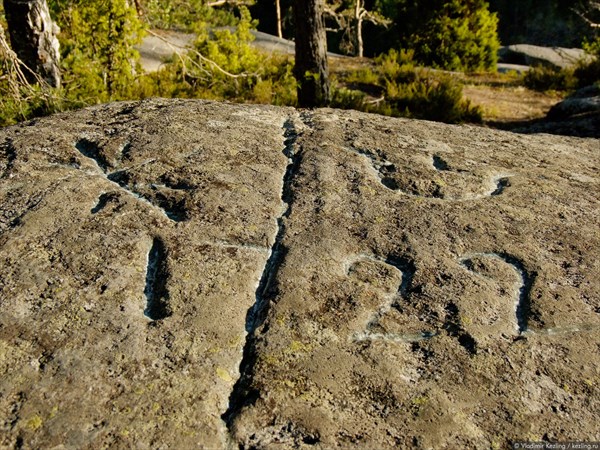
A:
{"x":503,"y":98}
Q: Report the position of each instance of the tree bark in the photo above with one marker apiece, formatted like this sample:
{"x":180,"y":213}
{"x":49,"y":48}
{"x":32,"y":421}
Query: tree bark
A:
{"x":33,"y":38}
{"x":278,"y":11}
{"x":311,"y":69}
{"x":358,"y":15}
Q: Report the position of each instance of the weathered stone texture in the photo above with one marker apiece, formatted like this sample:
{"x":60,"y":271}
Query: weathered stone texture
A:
{"x":403,"y":283}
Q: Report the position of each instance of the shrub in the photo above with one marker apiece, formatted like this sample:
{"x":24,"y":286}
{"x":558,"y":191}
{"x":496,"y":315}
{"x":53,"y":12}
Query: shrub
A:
{"x":434,"y":99}
{"x":587,"y":71}
{"x":97,"y":39}
{"x":448,"y":34}
{"x":345,"y":98}
{"x":226,"y":66}
{"x":185,"y":14}
{"x":542,"y":78}
{"x":408,"y":91}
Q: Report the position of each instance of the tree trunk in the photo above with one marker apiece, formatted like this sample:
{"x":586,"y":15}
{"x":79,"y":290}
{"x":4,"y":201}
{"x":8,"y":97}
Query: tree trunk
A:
{"x":311,"y":70}
{"x":359,"y":39}
{"x":33,"y":38}
{"x":278,"y":10}
{"x":358,"y":15}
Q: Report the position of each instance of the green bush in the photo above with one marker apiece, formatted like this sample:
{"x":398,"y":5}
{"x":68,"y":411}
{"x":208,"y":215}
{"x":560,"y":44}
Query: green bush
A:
{"x":449,"y":34}
{"x":542,"y":78}
{"x":344,"y":98}
{"x":226,"y":66}
{"x":408,"y":91}
{"x":185,"y":15}
{"x":99,"y":62}
{"x":434,"y":99}
{"x":27,"y":103}
{"x":587,"y":71}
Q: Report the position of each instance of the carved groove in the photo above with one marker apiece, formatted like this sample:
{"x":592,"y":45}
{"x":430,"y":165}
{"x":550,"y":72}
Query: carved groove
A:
{"x":91,"y":150}
{"x":406,"y":269}
{"x":173,"y":209}
{"x":243,"y":393}
{"x":157,"y":307}
{"x":385,"y":168}
{"x":522,"y":297}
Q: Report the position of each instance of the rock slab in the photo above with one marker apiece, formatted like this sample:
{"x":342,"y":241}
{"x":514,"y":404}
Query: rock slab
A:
{"x":188,"y":274}
{"x":535,"y":55}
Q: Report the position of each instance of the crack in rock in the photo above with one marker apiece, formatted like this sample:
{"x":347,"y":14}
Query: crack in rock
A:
{"x":90,"y":150}
{"x":125,"y":152}
{"x":440,"y":164}
{"x":242,"y":393}
{"x":502,"y":182}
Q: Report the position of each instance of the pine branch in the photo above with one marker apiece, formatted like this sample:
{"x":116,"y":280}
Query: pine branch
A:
{"x":200,"y":56}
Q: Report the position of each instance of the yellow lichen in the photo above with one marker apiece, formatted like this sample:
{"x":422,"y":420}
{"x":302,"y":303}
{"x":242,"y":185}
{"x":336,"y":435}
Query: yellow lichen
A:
{"x":419,"y":401}
{"x":464,"y":320}
{"x":35,"y":423}
{"x":53,"y":413}
{"x":270,"y":360}
{"x":298,"y":347}
{"x":223,"y":374}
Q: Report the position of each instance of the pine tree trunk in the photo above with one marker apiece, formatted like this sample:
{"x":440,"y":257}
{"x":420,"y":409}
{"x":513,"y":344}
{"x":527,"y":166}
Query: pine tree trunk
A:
{"x":33,"y":38}
{"x":278,"y":11}
{"x":311,"y":70}
{"x":358,"y":16}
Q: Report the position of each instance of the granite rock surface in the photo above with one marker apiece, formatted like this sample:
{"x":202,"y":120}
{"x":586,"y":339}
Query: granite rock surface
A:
{"x":188,"y":274}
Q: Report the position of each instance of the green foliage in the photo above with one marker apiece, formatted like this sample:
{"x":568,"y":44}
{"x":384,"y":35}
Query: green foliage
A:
{"x":226,"y":66}
{"x":185,"y":14}
{"x":27,"y":103}
{"x":100,"y":64}
{"x":585,"y":73}
{"x":542,"y":78}
{"x":345,"y":98}
{"x":448,"y":34}
{"x":97,"y":44}
{"x":548,"y":23}
{"x":408,"y":91}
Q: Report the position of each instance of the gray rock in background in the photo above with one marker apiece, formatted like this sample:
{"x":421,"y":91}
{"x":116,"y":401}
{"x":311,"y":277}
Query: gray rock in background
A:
{"x":583,"y":101}
{"x":531,"y":55}
{"x":189,"y":274}
{"x":161,"y":46}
